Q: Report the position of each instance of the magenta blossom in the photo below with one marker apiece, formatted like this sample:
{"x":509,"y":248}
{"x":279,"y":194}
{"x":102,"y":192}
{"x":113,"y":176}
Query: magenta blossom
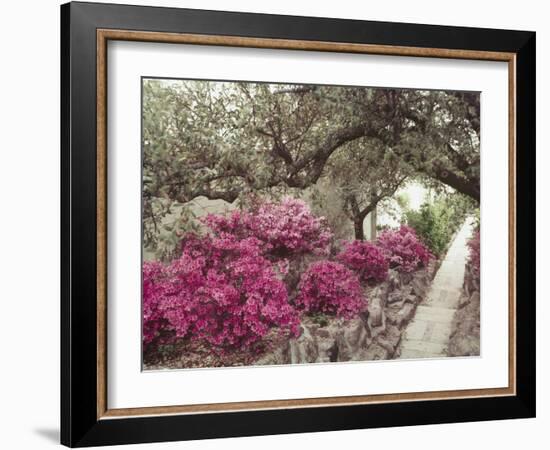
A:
{"x":286,"y":229}
{"x":330,"y":288}
{"x":404,"y":249}
{"x":366,"y":259}
{"x":221,"y":291}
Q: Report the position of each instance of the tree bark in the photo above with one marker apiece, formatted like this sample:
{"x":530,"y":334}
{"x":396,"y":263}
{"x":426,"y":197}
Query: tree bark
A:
{"x":358,"y":227}
{"x":462,"y":185}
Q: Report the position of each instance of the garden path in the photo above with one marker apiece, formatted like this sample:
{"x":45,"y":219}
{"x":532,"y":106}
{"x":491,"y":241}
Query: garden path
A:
{"x":427,"y":335}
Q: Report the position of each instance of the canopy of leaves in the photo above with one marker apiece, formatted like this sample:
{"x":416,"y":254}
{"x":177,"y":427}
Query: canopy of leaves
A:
{"x":224,"y":140}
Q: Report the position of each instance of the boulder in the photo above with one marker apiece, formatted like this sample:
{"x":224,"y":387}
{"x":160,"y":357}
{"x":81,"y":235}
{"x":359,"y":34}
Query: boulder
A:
{"x":419,"y":285}
{"x":277,"y":356}
{"x":380,"y":292}
{"x":352,"y":339}
{"x":406,"y":278}
{"x":463,"y":301}
{"x":327,"y":350}
{"x":394,"y":279}
{"x":474,"y":298}
{"x":376,"y":352}
{"x":401,"y":317}
{"x":462,"y":345}
{"x":303,"y":349}
{"x":395,"y":297}
{"x":376,"y":311}
{"x":465,"y":333}
{"x":391,"y":338}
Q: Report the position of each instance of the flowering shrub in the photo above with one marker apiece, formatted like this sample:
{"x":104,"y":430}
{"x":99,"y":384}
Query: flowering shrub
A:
{"x":474,"y":247}
{"x":330,"y":288}
{"x":404,"y":249}
{"x":153,"y":284}
{"x":222,"y":291}
{"x":437,"y":220}
{"x":286,"y":229}
{"x":366,"y":259}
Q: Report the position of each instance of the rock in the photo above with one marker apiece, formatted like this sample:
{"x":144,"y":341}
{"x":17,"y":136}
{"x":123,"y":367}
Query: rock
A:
{"x":401,"y":317}
{"x":376,"y":312}
{"x":394,"y":297}
{"x":386,"y":345}
{"x":465,"y":334}
{"x":322,"y":333}
{"x":381,"y":292}
{"x":394,"y":280}
{"x":463,"y":301}
{"x":375,"y":334}
{"x":464,"y":346}
{"x":406,"y":278}
{"x":304,"y":348}
{"x":471,"y":282}
{"x":419,"y":286}
{"x":391,"y":337}
{"x":376,"y":352}
{"x":327,"y":350}
{"x":360,"y":355}
{"x":352,"y":339}
{"x":276,"y":356}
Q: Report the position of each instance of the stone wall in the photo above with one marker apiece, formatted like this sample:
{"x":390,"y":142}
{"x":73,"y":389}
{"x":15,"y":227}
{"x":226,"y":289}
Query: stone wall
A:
{"x":465,"y":334}
{"x":373,"y":335}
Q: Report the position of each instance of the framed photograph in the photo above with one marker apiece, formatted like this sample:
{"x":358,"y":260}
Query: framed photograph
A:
{"x":277,"y":224}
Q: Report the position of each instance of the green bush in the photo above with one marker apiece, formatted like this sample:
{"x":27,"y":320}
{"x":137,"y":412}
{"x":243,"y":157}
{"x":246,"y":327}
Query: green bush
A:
{"x":436,"y":221}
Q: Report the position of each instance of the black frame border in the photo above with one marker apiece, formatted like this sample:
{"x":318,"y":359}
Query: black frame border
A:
{"x":79,"y":423}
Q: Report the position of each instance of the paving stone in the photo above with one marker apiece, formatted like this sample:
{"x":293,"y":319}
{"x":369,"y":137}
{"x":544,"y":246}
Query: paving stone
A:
{"x":440,"y":334}
{"x":416,"y":330}
{"x":413,"y":354}
{"x":427,"y":335}
{"x":431,"y":348}
{"x":434,"y":313}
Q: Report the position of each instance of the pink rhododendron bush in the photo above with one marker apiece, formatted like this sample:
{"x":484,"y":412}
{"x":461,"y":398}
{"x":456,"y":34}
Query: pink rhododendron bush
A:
{"x":253,"y":274}
{"x":330,"y":288}
{"x":221,"y":291}
{"x":285,"y":229}
{"x":366,"y":259}
{"x":404,"y":249}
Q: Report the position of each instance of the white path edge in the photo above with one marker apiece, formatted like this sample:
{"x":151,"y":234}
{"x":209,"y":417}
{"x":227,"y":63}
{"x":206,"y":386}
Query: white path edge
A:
{"x":427,"y":335}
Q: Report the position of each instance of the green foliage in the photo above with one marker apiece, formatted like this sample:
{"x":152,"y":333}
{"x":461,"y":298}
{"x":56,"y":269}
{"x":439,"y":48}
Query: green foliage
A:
{"x":403,"y":201}
{"x":326,"y":200}
{"x":319,"y":318}
{"x":227,"y":140}
{"x":437,"y":221}
{"x":164,"y":223}
{"x":477,"y":219}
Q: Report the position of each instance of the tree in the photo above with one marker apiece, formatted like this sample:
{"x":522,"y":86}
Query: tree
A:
{"x":439,"y":137}
{"x":223,"y":140}
{"x":365,"y":173}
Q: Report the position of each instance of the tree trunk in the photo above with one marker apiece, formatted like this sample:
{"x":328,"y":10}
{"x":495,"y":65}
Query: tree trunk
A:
{"x":373,"y":220}
{"x":358,"y":227}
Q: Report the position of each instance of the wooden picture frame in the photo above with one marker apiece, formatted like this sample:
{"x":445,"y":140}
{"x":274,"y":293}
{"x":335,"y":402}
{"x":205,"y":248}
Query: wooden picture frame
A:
{"x":86,"y":418}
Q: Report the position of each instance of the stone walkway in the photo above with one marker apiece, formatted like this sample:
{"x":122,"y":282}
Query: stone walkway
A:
{"x":428,"y":334}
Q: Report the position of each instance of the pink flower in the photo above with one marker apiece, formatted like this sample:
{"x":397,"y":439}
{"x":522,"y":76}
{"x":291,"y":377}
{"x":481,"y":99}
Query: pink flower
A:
{"x":221,"y":291}
{"x":404,"y":249}
{"x":330,"y":288}
{"x":286,"y":229}
{"x":366,"y":259}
